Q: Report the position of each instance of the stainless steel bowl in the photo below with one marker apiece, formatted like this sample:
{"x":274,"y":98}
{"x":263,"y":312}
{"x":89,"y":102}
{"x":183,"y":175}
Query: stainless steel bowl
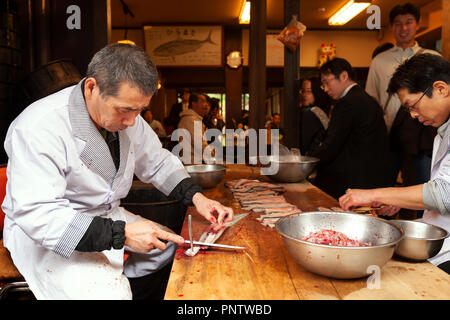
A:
{"x":337,"y":261}
{"x":422,"y":240}
{"x":292,"y":168}
{"x":206,"y":175}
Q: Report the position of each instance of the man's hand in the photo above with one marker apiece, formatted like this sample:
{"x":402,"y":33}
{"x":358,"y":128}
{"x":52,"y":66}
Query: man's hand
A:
{"x":358,"y":197}
{"x":207,"y":207}
{"x":144,"y":235}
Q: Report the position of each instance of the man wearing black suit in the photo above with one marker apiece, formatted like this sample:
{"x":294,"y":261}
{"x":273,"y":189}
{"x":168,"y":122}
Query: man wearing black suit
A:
{"x":354,"y":152}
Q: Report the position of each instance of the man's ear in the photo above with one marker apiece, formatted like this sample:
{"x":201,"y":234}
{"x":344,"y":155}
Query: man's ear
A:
{"x":343,"y":76}
{"x":442,"y":88}
{"x":89,"y":86}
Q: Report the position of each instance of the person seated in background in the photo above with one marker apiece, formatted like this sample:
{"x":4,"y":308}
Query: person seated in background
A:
{"x":214,"y":120}
{"x":355,"y":149}
{"x":314,"y":120}
{"x":243,"y":122}
{"x":276,"y":124}
{"x":422,"y":84}
{"x":198,"y":108}
{"x":154,"y":124}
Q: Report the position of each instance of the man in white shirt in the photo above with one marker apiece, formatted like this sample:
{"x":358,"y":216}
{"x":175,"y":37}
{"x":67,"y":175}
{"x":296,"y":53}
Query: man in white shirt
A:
{"x":423,"y":86}
{"x":410,"y":140}
{"x":72,"y":157}
{"x":154,"y":124}
{"x":191,"y":120}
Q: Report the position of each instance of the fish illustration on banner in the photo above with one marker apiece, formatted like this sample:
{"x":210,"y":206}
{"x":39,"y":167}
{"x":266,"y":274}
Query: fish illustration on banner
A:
{"x":184,"y":45}
{"x":180,"y":46}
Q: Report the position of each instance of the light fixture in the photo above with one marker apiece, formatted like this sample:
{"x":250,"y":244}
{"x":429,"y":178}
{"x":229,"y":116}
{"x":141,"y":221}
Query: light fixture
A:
{"x":127,"y":42}
{"x":244,"y":16}
{"x":126,"y":12}
{"x":347,"y":13}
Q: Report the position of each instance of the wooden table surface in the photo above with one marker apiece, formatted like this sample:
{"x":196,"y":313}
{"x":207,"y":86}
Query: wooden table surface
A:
{"x":266,"y":271}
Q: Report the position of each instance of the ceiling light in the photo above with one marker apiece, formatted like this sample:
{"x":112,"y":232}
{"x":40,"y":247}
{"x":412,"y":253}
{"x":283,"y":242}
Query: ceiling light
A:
{"x":127,"y":42}
{"x":244,"y":16}
{"x":347,"y":13}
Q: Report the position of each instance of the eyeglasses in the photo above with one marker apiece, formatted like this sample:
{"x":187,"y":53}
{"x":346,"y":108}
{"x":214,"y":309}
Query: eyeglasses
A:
{"x":325,"y":83}
{"x":413,"y":107}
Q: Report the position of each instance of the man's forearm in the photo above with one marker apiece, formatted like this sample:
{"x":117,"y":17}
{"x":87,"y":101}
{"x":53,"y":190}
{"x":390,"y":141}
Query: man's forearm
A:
{"x":403,"y":197}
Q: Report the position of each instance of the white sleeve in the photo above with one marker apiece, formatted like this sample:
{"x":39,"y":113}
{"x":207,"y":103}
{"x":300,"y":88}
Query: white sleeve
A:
{"x":373,"y":82}
{"x":36,"y":188}
{"x":154,"y":164}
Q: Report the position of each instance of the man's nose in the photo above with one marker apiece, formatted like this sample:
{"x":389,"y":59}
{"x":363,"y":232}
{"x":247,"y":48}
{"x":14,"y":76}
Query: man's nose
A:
{"x":129,"y":121}
{"x":414,"y":114}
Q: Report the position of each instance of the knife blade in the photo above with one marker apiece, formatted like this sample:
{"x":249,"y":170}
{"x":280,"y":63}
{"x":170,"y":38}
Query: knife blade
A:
{"x":215,"y":245}
{"x":190,"y":231}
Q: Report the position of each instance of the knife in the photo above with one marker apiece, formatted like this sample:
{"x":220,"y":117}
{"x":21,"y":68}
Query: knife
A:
{"x":190,"y":232}
{"x":214,"y":245}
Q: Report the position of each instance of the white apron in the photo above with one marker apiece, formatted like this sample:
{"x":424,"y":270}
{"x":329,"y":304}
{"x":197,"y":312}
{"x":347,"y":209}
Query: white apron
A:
{"x":85,"y":275}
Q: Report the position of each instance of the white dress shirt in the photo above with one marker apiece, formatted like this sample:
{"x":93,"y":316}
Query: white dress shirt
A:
{"x":380,"y":73}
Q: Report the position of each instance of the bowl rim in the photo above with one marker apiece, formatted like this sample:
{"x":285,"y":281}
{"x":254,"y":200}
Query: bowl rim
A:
{"x":308,"y":160}
{"x":220,"y":168}
{"x":341,"y":247}
{"x":447,"y":234}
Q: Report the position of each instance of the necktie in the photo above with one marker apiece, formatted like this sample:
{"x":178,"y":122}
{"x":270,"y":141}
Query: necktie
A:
{"x":112,"y":140}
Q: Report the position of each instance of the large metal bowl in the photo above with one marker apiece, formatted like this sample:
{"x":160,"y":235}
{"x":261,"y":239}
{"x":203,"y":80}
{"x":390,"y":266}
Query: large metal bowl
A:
{"x":292,"y":168}
{"x":206,"y":175}
{"x":337,"y":261}
{"x":422,"y":240}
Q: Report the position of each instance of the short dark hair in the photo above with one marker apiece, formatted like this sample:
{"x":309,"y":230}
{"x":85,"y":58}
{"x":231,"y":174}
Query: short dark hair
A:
{"x":407,"y":8}
{"x":418,"y":73}
{"x":321,"y":99}
{"x":381,"y":48}
{"x":193,"y":97}
{"x":215,"y":104}
{"x":117,"y":63}
{"x":336,"y":66}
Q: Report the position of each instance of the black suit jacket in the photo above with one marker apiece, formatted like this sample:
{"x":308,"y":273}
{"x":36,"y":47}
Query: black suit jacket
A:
{"x":355,"y":149}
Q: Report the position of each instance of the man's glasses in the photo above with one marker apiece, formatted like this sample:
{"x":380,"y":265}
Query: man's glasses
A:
{"x":413,"y":107}
{"x":325,"y":83}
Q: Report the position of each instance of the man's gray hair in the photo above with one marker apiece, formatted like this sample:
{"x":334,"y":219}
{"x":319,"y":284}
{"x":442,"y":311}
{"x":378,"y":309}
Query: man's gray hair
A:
{"x":117,"y":63}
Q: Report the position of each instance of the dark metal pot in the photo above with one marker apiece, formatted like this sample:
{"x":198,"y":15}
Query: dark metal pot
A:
{"x":147,"y":201}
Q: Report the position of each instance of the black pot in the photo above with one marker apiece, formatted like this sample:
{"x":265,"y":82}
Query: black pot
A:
{"x":147,"y":201}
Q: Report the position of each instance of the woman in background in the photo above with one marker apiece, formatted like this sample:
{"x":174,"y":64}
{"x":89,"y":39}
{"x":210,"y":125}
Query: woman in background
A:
{"x":314,"y":119}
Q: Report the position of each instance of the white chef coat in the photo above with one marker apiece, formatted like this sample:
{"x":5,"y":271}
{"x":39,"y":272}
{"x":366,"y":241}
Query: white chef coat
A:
{"x":440,"y":169}
{"x":60,"y":175}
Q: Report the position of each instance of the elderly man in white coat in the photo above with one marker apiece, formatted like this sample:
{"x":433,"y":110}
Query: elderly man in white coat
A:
{"x":72,"y":156}
{"x":423,"y":87}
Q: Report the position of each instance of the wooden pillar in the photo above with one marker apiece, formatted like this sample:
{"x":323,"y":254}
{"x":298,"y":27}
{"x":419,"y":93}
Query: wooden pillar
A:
{"x":446,"y":29}
{"x":257,"y":64}
{"x":80,"y":44}
{"x":233,"y":77}
{"x":42,"y":34}
{"x":290,"y":115}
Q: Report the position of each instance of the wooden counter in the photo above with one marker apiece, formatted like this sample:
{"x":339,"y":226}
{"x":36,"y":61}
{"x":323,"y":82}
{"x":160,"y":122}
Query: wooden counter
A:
{"x":266,"y":271}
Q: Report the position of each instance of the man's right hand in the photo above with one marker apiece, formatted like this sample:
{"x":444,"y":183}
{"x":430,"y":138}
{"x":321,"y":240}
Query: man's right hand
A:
{"x":145,"y":235}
